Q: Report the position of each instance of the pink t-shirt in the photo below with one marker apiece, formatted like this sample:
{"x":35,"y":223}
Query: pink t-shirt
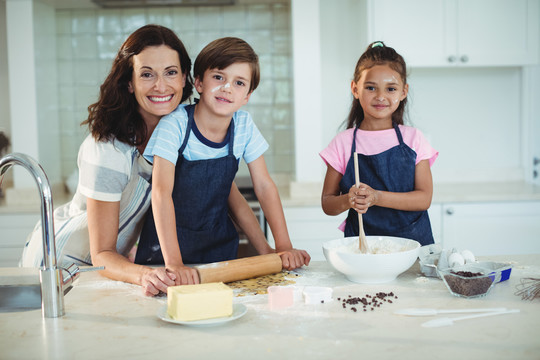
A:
{"x":338,"y":152}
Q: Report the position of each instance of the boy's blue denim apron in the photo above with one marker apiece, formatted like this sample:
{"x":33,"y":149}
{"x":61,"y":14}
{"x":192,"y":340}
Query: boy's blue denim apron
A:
{"x":200,"y":196}
{"x":392,"y":170}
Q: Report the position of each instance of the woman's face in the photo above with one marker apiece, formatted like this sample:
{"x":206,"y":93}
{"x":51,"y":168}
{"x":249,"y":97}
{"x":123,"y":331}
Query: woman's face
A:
{"x":157,"y":82}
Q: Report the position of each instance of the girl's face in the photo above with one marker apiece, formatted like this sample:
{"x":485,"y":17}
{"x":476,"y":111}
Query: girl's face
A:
{"x":379,"y":90}
{"x":225,"y":91}
{"x":157,"y":81}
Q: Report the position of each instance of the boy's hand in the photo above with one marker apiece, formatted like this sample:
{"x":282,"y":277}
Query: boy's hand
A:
{"x":293,"y":259}
{"x":184,"y":275}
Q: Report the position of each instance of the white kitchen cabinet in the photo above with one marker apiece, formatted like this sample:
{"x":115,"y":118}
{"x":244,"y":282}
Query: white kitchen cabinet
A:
{"x":441,"y":33}
{"x":309,"y":227}
{"x":492,"y":228}
{"x":15,"y":228}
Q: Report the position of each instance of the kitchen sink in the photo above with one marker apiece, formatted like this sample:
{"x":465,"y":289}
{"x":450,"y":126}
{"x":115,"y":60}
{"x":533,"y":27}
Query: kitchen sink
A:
{"x":19,"y":298}
{"x":20,"y":289}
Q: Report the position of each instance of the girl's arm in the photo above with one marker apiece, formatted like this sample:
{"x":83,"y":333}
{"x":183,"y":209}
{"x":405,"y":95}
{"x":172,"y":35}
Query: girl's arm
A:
{"x":268,"y":196}
{"x":243,"y":215}
{"x":103,"y":219}
{"x":332,"y":201}
{"x":417,"y":200}
{"x":165,"y":219}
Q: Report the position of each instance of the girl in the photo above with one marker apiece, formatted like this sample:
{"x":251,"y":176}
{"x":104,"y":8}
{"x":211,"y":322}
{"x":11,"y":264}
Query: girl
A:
{"x":394,"y":160}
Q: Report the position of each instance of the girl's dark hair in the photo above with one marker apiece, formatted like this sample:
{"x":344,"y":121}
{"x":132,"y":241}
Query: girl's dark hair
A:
{"x":377,"y":53}
{"x":226,"y":51}
{"x":115,"y":115}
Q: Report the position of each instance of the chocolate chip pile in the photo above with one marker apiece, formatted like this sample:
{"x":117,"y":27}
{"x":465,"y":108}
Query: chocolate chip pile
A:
{"x":468,"y":287}
{"x":368,"y":302}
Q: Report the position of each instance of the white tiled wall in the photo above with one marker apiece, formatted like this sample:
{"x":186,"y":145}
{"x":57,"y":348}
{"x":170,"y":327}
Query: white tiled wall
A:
{"x":87,"y":41}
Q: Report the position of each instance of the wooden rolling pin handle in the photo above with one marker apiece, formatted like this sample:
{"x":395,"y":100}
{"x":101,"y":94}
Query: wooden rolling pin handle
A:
{"x":239,"y":269}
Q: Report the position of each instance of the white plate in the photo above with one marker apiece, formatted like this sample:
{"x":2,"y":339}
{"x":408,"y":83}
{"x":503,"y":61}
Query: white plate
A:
{"x":239,"y":310}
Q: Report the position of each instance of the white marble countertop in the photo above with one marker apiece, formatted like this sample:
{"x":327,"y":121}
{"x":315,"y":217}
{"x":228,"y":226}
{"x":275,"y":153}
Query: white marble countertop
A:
{"x":111,"y":320}
{"x":298,"y":195}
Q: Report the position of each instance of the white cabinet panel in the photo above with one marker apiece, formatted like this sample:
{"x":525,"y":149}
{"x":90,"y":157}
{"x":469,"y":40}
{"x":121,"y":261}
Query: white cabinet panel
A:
{"x":492,"y":228}
{"x":309,"y":228}
{"x":458,"y":32}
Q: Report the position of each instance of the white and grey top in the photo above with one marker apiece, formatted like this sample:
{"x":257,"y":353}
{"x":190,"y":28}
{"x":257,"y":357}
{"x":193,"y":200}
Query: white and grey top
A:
{"x":108,"y":171}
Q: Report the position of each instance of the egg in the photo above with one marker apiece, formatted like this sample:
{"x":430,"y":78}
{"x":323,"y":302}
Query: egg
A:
{"x":468,"y":256}
{"x":455,"y":259}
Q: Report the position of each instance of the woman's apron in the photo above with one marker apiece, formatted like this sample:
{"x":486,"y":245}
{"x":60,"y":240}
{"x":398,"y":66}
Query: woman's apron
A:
{"x":392,"y":170}
{"x":200,"y":197}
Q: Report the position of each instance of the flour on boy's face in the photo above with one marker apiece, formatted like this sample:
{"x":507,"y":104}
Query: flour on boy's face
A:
{"x":225,"y":90}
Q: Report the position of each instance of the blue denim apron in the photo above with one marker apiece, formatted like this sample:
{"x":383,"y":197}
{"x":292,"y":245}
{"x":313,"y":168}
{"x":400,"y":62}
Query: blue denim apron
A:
{"x":200,"y":196}
{"x":392,"y":170}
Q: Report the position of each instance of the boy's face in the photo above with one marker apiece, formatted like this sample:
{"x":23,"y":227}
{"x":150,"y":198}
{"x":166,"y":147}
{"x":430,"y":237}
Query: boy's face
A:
{"x":225,"y":91}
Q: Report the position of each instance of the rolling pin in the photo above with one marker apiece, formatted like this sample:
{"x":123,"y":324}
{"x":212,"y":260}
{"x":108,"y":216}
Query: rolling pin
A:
{"x":239,"y":269}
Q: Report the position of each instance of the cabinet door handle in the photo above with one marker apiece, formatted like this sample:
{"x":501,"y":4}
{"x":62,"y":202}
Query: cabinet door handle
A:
{"x":464,"y":58}
{"x":450,"y":211}
{"x":451,"y":59}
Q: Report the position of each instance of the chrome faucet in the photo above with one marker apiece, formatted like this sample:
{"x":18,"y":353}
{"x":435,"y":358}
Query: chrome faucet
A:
{"x":53,"y":284}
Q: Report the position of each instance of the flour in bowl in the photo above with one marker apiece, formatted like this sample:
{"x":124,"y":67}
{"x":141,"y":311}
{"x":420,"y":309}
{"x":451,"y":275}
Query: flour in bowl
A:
{"x":377,"y":246}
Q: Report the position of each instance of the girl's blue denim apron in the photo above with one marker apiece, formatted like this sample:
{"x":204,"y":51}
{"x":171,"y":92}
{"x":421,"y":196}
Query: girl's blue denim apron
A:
{"x":200,"y":196}
{"x":392,"y":170}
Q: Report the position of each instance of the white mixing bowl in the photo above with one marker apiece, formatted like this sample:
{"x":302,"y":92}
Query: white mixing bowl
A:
{"x":372,"y":268}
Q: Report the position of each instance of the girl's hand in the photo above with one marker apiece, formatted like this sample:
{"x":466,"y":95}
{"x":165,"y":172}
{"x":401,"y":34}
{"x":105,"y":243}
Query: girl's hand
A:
{"x":362,"y":197}
{"x":157,"y":280}
{"x":293,"y":259}
{"x":184,"y":275}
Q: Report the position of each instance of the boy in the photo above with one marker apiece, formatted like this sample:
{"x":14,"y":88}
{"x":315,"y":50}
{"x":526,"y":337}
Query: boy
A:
{"x":196,"y":150}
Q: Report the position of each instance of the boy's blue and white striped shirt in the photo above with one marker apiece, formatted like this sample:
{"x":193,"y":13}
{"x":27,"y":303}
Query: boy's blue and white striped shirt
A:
{"x":169,"y":135}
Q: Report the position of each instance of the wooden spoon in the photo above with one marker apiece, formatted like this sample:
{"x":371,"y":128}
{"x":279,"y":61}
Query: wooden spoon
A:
{"x":362,"y":241}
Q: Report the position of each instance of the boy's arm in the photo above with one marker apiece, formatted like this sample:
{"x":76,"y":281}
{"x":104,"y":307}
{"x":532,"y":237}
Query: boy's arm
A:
{"x":165,"y":220}
{"x":243,"y":215}
{"x":268,"y":196}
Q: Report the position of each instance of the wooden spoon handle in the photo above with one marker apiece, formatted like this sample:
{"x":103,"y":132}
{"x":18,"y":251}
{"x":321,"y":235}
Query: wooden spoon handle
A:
{"x":362,"y":241}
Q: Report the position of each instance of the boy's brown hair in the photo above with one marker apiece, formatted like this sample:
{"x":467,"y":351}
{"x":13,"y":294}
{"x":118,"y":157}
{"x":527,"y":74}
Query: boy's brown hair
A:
{"x":224,"y":52}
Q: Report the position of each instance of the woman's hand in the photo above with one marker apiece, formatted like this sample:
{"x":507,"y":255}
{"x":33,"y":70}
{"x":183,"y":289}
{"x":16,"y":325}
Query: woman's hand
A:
{"x":293,"y":259}
{"x":184,"y":275}
{"x":362,"y":197}
{"x":157,"y":280}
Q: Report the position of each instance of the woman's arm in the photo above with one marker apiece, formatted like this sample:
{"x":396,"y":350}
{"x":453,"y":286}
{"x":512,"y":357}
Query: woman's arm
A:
{"x":165,"y":220}
{"x":243,"y":215}
{"x":268,"y":196}
{"x":103,"y":218}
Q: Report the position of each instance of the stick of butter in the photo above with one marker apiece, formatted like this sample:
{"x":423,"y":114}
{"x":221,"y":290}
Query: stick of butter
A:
{"x":199,"y":302}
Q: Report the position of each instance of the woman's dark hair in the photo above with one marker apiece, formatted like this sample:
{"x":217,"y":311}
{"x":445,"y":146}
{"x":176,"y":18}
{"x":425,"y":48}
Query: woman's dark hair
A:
{"x":115,"y":114}
{"x":226,"y":51}
{"x":378,"y":54}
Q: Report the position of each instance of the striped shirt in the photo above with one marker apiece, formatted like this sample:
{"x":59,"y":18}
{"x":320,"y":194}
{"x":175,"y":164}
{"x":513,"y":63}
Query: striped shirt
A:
{"x":168,"y":136}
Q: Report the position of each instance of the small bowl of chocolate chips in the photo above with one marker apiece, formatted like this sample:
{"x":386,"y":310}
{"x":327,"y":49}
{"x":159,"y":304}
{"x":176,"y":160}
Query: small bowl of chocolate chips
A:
{"x":467,"y":281}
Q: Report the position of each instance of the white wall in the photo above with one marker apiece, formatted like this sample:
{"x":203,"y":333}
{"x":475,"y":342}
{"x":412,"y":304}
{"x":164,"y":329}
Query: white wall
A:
{"x":4,"y":83}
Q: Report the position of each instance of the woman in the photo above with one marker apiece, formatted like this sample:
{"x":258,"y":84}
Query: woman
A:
{"x":149,"y":78}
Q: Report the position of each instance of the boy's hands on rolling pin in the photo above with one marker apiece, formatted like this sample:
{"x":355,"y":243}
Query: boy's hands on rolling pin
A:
{"x":293,"y":259}
{"x":184,"y":275}
{"x":362,"y":197}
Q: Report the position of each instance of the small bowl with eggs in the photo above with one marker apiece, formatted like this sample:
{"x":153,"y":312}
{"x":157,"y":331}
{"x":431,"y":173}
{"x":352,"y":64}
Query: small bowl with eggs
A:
{"x":388,"y":257}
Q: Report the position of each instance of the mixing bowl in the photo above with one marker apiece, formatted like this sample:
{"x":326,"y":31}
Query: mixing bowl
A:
{"x":390,"y":257}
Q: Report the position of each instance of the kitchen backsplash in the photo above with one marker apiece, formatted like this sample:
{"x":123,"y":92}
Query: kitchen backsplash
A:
{"x":87,"y":40}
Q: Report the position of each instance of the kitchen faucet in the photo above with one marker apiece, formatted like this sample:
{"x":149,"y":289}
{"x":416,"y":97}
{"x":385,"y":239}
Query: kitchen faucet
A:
{"x":53,"y":284}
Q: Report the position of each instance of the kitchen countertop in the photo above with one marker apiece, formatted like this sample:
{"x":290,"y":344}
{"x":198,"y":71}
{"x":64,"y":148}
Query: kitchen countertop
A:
{"x":299,"y":194}
{"x":107,"y":319}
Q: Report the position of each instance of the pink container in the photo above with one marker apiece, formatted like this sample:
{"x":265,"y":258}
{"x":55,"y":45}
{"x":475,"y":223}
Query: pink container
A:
{"x":280,"y":297}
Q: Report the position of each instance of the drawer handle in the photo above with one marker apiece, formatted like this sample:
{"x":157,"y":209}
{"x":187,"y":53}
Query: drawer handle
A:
{"x":450,"y":211}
